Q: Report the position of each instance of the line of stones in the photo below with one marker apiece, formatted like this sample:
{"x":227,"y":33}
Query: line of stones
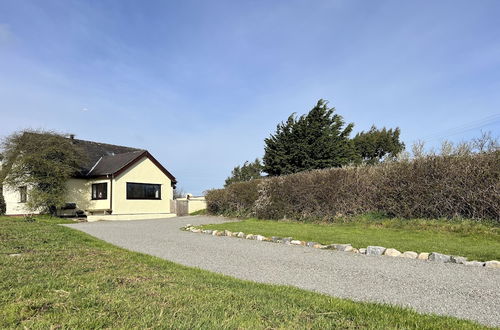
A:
{"x":370,"y":250}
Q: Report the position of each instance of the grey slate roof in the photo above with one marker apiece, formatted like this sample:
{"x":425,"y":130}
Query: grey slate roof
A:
{"x":100,"y":159}
{"x":103,"y":159}
{"x":94,"y":151}
{"x":113,"y":163}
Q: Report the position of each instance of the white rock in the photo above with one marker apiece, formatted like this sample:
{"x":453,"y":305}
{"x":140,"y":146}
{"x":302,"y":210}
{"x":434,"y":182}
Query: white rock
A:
{"x":260,"y":238}
{"x":392,"y":253}
{"x":296,"y":242}
{"x":362,"y":251}
{"x":423,"y":256}
{"x":410,"y":255}
{"x":241,"y":234}
{"x":474,"y":263}
{"x":492,"y":264}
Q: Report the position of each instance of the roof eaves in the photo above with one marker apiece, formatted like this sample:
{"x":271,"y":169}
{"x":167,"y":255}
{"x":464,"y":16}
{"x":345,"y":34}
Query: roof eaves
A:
{"x":146,"y":153}
{"x":130,"y":162}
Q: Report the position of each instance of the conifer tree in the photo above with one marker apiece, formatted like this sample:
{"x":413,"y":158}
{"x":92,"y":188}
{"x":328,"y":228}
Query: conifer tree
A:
{"x":377,"y":144}
{"x":318,"y":139}
{"x":246,"y":172}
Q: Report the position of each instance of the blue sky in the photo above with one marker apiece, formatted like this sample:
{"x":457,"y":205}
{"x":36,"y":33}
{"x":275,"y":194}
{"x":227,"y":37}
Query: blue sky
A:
{"x":200,"y":84}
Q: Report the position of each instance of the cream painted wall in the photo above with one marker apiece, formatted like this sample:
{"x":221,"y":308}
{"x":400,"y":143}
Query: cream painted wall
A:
{"x":13,"y":206}
{"x":145,"y":171}
{"x":79,"y":191}
{"x":195,"y":203}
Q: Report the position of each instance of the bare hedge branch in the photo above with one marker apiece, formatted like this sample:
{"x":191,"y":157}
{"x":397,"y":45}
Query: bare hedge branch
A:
{"x":462,"y":184}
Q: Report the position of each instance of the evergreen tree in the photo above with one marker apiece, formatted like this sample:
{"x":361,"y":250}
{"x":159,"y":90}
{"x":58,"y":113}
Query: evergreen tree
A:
{"x":319,"y":139}
{"x":375,"y":144}
{"x":246,"y":172}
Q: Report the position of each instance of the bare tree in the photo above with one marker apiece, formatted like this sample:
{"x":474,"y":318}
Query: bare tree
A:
{"x":179,"y":193}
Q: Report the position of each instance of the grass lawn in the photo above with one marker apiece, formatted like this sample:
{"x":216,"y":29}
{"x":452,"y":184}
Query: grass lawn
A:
{"x":65,"y":278}
{"x":464,"y":238}
{"x":199,"y":212}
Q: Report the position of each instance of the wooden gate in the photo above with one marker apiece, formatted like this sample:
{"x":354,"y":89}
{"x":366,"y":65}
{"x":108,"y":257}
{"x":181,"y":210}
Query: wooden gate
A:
{"x":182,"y":208}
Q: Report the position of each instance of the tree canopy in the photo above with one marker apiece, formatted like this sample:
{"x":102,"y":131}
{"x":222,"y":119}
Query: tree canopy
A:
{"x":318,"y":139}
{"x":375,"y":144}
{"x":246,"y":172}
{"x":42,"y":161}
{"x":321,"y":139}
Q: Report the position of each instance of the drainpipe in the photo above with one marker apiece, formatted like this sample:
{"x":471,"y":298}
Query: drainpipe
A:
{"x":111,"y":193}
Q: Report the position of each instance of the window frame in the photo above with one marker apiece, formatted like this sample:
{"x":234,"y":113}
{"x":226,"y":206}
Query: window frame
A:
{"x":143,"y":198}
{"x":105,"y":194}
{"x":23,"y":194}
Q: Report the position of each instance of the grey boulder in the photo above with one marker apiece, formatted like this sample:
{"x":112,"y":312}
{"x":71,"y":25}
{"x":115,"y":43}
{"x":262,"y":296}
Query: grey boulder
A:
{"x":439,"y":257}
{"x":458,"y":260}
{"x":343,"y":247}
{"x":375,"y":250}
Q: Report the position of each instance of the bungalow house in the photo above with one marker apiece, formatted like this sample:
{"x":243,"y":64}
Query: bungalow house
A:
{"x":114,"y":183}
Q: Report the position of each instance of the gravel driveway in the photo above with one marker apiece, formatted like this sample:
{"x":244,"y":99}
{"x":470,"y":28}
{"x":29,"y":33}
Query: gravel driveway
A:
{"x":428,"y":287}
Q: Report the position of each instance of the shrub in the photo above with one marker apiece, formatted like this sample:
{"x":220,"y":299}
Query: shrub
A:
{"x":465,"y":185}
{"x":442,"y":186}
{"x":237,"y":199}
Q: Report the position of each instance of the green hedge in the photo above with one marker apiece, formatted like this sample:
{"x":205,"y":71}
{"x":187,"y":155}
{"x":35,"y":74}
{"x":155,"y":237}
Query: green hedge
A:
{"x":465,"y":186}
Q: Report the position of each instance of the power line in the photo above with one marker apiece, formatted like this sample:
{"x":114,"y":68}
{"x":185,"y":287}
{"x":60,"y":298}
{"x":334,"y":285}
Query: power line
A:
{"x":492,"y":119}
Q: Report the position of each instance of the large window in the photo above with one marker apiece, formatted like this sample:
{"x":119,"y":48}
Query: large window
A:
{"x":143,"y":191}
{"x":100,"y":190}
{"x":23,"y":194}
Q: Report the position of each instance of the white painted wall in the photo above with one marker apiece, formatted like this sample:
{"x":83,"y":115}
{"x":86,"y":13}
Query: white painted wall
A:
{"x":12,"y":201}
